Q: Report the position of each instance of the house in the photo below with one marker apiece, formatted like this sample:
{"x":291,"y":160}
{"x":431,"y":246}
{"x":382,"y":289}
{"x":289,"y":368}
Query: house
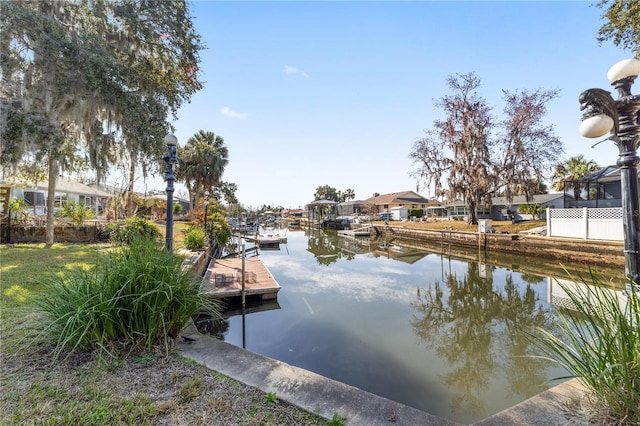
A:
{"x":292,"y":213}
{"x":599,"y":189}
{"x":500,"y":208}
{"x":408,"y":199}
{"x":591,"y":208}
{"x":352,"y":208}
{"x":67,"y":190}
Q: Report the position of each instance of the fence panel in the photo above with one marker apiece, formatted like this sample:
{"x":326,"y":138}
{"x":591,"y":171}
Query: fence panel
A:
{"x":586,"y":223}
{"x":605,"y":224}
{"x":566,"y":223}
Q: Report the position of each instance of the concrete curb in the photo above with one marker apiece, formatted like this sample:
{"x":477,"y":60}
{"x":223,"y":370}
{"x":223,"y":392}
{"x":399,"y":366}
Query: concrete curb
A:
{"x":326,"y":397}
{"x":303,"y":388}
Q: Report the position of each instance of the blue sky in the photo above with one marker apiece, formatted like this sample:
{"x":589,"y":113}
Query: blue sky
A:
{"x":335,"y":93}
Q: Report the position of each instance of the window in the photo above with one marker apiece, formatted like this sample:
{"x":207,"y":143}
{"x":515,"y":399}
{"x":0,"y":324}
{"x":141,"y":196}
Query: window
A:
{"x":60,"y":200}
{"x":33,"y":198}
{"x":458,"y":211}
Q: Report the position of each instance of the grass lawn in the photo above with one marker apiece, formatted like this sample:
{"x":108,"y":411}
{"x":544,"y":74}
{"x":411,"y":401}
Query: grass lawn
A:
{"x":136,"y":388}
{"x":459,"y":225}
{"x":180,"y":229}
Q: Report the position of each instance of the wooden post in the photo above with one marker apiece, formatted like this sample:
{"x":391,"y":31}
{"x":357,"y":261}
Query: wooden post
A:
{"x":243,"y":291}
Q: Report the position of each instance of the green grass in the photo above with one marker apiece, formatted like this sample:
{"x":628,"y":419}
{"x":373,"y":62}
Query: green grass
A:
{"x":21,"y":266}
{"x":142,"y":388}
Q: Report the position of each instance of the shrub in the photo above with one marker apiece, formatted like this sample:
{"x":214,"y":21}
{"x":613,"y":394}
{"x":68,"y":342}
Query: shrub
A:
{"x":138,"y":295}
{"x":125,"y":232}
{"x":219,"y":230}
{"x":195,"y":238}
{"x":76,"y":212}
{"x":416,"y":213}
{"x":600,"y":345}
{"x":18,"y":210}
{"x":534,"y":209}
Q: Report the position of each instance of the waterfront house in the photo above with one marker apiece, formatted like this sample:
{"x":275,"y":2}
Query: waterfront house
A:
{"x":352,"y":208}
{"x":67,"y":190}
{"x":408,"y":199}
{"x":599,"y":189}
{"x":500,"y":208}
{"x":592,"y":208}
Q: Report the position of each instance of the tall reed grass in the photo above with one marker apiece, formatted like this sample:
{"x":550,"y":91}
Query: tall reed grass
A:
{"x":599,"y":343}
{"x":138,"y":295}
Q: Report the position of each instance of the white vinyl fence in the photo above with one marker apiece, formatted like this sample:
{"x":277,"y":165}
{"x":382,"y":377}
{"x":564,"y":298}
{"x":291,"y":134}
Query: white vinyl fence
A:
{"x":586,"y":223}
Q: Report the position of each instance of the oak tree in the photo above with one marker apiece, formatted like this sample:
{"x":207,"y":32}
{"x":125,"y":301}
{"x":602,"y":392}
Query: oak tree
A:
{"x":73,"y":72}
{"x":623,"y":24}
{"x":464,"y":151}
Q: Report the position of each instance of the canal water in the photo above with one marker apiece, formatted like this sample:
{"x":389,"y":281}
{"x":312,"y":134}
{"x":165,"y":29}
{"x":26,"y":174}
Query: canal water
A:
{"x":429,"y":330}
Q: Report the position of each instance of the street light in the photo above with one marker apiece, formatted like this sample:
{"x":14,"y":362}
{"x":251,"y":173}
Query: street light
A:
{"x":621,"y":117}
{"x":171,"y":158}
{"x":206,"y":208}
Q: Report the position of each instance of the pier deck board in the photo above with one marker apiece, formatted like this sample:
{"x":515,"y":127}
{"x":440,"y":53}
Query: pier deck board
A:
{"x":223,"y":278}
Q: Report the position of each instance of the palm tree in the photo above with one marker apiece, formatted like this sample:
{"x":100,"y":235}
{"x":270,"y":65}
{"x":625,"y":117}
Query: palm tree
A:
{"x":572,"y":169}
{"x":202,"y":164}
{"x":348,"y":194}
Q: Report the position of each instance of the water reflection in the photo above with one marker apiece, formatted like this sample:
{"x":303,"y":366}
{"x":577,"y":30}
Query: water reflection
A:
{"x":328,"y":247}
{"x":476,"y":326}
{"x":560,"y":290}
{"x":435,"y":331}
{"x":219,"y":327}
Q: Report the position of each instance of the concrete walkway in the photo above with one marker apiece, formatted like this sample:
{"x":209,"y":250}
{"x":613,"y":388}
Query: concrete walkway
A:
{"x":326,"y":397}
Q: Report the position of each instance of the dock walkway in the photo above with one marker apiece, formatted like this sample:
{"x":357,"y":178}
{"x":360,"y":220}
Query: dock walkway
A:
{"x":223,"y":278}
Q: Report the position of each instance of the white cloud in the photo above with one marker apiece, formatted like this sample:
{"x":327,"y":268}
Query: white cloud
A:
{"x":227,"y":112}
{"x":293,"y":70}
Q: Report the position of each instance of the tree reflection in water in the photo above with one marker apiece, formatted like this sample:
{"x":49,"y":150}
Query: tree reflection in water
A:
{"x":325,"y":248}
{"x":468,"y":324}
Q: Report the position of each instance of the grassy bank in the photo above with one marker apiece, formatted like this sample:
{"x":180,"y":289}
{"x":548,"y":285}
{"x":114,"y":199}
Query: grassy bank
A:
{"x":149,"y":387}
{"x":459,"y":225}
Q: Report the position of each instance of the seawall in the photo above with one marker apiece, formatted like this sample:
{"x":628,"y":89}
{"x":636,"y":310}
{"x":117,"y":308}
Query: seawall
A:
{"x":587,"y":252}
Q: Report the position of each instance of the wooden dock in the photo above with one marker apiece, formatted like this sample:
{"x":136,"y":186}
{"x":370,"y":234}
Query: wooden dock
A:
{"x":223,"y":278}
{"x":356,"y":231}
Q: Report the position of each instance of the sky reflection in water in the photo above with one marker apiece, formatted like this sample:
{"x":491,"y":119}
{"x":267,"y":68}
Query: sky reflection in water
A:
{"x":439,"y":334}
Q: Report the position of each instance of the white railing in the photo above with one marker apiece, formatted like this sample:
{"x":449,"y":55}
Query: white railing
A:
{"x":587,"y":223}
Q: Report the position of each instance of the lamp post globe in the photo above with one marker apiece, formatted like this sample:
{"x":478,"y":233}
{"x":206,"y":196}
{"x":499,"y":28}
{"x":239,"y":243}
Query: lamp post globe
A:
{"x":621,"y":118}
{"x":170,"y":158}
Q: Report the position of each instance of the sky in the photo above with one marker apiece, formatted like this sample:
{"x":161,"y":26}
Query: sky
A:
{"x":314,"y":93}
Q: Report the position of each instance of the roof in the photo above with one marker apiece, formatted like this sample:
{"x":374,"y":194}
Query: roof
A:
{"x":322,"y":203}
{"x":609,"y":173}
{"x":517,"y":200}
{"x":67,"y":185}
{"x":399,"y":198}
{"x":521,"y":199}
{"x":351,"y":203}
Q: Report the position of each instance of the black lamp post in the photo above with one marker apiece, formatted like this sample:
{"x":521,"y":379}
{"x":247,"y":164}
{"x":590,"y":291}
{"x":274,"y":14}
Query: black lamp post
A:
{"x":206,"y":208}
{"x":171,"y":158}
{"x":621,"y":117}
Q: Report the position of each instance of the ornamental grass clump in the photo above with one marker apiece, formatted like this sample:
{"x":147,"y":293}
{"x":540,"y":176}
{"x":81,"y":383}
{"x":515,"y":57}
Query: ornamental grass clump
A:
{"x":195,"y":238}
{"x":599,"y":343}
{"x":124,"y":232}
{"x":137,"y":296}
